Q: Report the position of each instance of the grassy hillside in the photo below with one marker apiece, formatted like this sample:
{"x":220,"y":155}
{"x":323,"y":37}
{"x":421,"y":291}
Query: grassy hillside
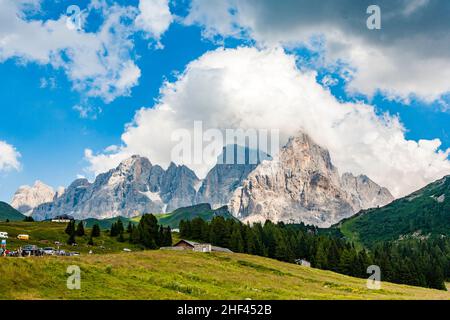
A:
{"x":186,"y":275}
{"x":425,"y":213}
{"x":8,"y":212}
{"x":45,"y":234}
{"x":203,"y":211}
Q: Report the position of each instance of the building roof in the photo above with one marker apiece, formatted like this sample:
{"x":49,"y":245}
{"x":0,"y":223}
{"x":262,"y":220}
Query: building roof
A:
{"x":220,"y":249}
{"x":63,"y":217}
{"x":191,"y":243}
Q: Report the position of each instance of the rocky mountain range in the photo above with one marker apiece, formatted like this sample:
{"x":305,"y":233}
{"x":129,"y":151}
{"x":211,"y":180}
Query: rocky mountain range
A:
{"x":134,"y":187}
{"x":300,"y":184}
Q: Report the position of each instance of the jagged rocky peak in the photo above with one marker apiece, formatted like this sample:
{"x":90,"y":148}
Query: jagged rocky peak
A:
{"x":233,"y":165}
{"x":178,"y":187}
{"x":367,"y":194}
{"x":135,"y":168}
{"x":302,"y":184}
{"x":27,"y":198}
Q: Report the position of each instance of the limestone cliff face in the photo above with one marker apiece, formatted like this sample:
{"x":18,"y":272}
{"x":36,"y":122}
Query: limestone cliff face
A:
{"x":232,"y":168}
{"x":27,"y":198}
{"x":302,"y":185}
{"x":366,"y":193}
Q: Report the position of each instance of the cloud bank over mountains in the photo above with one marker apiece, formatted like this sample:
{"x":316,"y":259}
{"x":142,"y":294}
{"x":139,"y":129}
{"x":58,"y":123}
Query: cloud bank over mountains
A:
{"x":408,"y":57}
{"x":264,"y":89}
{"x":261,"y":86}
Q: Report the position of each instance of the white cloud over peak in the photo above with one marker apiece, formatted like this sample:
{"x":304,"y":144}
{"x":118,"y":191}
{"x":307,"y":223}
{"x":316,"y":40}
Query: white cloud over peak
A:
{"x":408,"y":57}
{"x":264,"y":89}
{"x":9,"y":157}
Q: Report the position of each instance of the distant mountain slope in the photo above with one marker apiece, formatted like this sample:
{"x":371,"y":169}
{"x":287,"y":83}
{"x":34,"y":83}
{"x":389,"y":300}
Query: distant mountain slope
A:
{"x":203,"y":211}
{"x":8,"y":212}
{"x":422,"y":214}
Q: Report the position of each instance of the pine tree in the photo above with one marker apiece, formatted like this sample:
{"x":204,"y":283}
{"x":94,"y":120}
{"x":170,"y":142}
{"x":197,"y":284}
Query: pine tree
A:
{"x":160,"y":238}
{"x":71,"y":239}
{"x":70,"y":227}
{"x":269,"y":238}
{"x":80,"y":229}
{"x":119,"y":226}
{"x":251,"y":241}
{"x":95,"y":231}
{"x":135,"y":236}
{"x":197,"y":226}
{"x":91,"y":241}
{"x":185,"y":229}
{"x":114,"y":230}
{"x":346,"y":265}
{"x":218,"y":232}
{"x":282,"y":251}
{"x":167,"y":237}
{"x":120,"y":238}
{"x":333,"y":256}
{"x":148,"y":231}
{"x":130,"y":227}
{"x":236,"y":241}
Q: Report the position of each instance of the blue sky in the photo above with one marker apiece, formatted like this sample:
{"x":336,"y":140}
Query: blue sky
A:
{"x":50,"y":135}
{"x":38,"y":99}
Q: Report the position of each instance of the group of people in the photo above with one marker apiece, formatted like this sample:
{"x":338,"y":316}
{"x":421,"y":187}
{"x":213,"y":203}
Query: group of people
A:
{"x":8,"y":253}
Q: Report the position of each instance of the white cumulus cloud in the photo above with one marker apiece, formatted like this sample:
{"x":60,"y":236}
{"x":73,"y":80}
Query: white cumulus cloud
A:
{"x":154,"y":17}
{"x":9,"y":157}
{"x":408,"y":57}
{"x":253,"y":88}
{"x":99,"y":63}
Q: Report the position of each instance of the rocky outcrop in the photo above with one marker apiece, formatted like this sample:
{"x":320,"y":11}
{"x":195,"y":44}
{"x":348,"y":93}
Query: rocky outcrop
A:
{"x":27,"y":198}
{"x":302,"y":185}
{"x":366,"y":193}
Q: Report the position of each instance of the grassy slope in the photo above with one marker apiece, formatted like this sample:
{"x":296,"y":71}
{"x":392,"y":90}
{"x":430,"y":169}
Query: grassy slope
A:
{"x":186,"y":275}
{"x":45,"y":234}
{"x":8,"y":212}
